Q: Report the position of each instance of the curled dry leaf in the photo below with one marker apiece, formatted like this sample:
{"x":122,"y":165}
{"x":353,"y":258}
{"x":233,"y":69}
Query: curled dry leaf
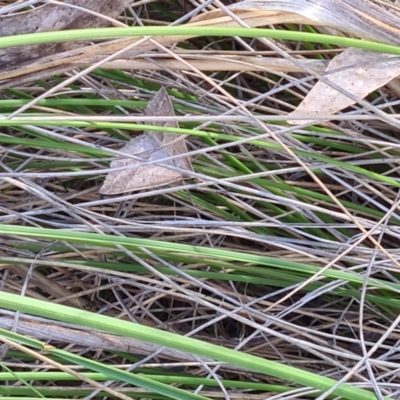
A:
{"x":149,"y":146}
{"x":359,"y":72}
{"x":54,"y":17}
{"x":362,"y":18}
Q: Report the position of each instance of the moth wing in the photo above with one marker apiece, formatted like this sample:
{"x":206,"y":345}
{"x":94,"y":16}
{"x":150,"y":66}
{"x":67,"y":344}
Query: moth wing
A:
{"x":149,"y":146}
{"x":178,"y":146}
{"x":153,"y":176}
{"x":161,"y":105}
{"x":118,"y":182}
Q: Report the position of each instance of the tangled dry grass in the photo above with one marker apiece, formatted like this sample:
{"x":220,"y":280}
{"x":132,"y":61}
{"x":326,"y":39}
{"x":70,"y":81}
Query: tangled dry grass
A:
{"x":282,"y":243}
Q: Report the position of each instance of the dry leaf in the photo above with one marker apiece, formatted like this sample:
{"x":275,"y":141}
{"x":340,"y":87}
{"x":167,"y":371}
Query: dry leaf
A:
{"x":150,"y":146}
{"x":350,"y":15}
{"x":361,"y":18}
{"x":63,"y":61}
{"x":360,"y":72}
{"x":54,"y":17}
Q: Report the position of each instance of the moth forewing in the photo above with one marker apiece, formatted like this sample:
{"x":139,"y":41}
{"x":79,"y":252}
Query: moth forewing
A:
{"x":149,"y":146}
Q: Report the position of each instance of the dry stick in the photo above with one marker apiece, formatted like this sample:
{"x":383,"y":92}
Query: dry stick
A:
{"x":48,"y":330}
{"x":240,"y":63}
{"x":215,"y":63}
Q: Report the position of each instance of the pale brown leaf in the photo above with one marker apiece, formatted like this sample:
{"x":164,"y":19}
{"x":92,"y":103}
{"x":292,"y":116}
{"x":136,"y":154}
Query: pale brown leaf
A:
{"x":361,"y":18}
{"x":359,"y":72}
{"x":54,"y":17}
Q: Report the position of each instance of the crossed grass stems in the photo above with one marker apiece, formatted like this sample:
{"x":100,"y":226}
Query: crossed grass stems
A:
{"x":252,"y":199}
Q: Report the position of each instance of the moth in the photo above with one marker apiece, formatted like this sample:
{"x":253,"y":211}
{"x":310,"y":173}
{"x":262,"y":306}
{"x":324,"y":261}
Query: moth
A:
{"x":151,"y":145}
